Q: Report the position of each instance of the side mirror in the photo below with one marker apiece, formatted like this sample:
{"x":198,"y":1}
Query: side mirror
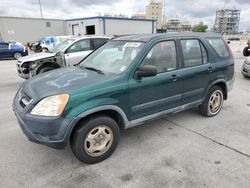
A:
{"x":146,"y":71}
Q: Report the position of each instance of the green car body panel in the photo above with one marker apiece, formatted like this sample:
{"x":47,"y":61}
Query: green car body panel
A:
{"x":135,"y":101}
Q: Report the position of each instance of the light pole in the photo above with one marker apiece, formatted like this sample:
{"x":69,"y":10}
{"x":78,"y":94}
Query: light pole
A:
{"x":41,"y":11}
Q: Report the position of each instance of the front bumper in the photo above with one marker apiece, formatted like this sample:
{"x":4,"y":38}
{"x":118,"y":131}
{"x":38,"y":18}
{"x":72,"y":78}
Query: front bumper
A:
{"x":50,"y":131}
{"x":245,"y":70}
{"x":22,"y":71}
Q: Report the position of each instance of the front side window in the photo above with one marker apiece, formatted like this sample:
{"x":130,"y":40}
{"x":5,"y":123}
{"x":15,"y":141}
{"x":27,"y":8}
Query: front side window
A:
{"x":114,"y":57}
{"x":79,"y":46}
{"x":220,"y":47}
{"x":194,"y":53}
{"x":4,"y":46}
{"x":162,"y":56}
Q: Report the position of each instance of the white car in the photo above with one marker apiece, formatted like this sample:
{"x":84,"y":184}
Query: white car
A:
{"x":67,"y":53}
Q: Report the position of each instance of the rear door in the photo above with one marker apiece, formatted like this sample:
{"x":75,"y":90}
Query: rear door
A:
{"x":77,"y":51}
{"x":5,"y":50}
{"x":197,"y":70}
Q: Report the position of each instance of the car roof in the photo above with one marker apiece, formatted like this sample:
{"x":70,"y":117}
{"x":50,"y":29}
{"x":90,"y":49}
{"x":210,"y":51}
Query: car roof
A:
{"x":92,"y":37}
{"x":148,"y":37}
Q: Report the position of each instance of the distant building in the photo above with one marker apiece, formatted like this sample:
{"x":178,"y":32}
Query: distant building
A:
{"x":140,"y":16}
{"x":173,"y":25}
{"x":227,"y":21}
{"x":186,"y":27}
{"x":154,"y":11}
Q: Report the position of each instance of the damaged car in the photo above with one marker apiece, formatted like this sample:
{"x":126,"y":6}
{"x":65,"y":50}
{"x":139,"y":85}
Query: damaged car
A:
{"x":67,"y":53}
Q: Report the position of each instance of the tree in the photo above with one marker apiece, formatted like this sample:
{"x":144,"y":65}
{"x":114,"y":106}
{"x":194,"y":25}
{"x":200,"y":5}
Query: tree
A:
{"x":200,"y":27}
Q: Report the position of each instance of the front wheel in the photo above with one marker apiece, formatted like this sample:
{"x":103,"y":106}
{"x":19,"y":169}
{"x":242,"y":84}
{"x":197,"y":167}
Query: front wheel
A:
{"x":95,"y":139}
{"x":213,"y":102}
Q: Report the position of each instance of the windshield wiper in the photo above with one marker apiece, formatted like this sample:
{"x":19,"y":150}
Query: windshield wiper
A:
{"x":94,"y":69}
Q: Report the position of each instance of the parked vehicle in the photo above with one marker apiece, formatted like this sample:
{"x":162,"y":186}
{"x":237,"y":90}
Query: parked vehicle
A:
{"x":12,"y":50}
{"x":246,"y":68}
{"x":37,"y":48}
{"x":47,"y":43}
{"x":128,"y":81}
{"x":246,"y":50}
{"x":67,"y":53}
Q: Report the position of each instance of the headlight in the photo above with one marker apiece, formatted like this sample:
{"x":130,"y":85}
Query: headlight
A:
{"x":51,"y":106}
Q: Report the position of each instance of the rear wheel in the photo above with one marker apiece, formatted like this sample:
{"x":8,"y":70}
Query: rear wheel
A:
{"x":17,"y":55}
{"x":95,"y":139}
{"x":213,"y":102}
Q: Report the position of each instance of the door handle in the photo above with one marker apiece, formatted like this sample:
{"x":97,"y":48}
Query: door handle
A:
{"x":174,"y":77}
{"x":210,"y":69}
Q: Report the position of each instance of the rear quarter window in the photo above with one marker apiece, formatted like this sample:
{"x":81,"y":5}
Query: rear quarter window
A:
{"x":219,"y":46}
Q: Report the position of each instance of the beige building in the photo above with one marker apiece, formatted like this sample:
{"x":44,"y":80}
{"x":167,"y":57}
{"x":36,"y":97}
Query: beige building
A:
{"x":154,"y":11}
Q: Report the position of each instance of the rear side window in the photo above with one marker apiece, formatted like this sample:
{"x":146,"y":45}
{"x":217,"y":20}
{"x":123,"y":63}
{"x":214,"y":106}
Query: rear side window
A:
{"x":194,"y":53}
{"x":220,"y":47}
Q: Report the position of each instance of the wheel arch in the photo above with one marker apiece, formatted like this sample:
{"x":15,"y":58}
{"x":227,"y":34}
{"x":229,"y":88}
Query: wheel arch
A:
{"x":47,"y":64}
{"x":222,"y":83}
{"x":112,"y":111}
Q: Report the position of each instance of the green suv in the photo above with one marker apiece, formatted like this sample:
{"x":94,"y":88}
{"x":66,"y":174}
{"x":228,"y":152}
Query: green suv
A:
{"x":126,"y":82}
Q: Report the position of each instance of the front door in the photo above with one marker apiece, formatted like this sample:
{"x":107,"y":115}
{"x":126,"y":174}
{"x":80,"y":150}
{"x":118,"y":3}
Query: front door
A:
{"x":161,"y":93}
{"x":76,"y":52}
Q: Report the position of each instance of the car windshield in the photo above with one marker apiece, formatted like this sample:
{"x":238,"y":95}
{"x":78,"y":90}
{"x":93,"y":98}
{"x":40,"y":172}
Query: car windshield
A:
{"x":60,"y":46}
{"x":114,"y":57}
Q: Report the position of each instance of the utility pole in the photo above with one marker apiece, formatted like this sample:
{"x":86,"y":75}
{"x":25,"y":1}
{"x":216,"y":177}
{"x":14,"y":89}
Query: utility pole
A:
{"x":41,"y":11}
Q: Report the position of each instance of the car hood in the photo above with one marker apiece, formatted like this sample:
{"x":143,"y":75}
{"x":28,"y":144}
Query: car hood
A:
{"x":63,"y":80}
{"x":36,"y":56}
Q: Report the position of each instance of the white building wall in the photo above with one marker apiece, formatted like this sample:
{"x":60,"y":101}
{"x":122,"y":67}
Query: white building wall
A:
{"x":121,"y":27}
{"x":112,"y":26}
{"x":30,"y":29}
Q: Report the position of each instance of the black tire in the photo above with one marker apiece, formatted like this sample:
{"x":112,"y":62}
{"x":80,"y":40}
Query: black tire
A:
{"x":79,"y":143}
{"x":205,"y":107}
{"x":45,"y":69}
{"x":17,"y":55}
{"x":246,"y":53}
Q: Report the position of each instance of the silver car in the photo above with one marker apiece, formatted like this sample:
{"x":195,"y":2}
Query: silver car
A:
{"x":67,"y":53}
